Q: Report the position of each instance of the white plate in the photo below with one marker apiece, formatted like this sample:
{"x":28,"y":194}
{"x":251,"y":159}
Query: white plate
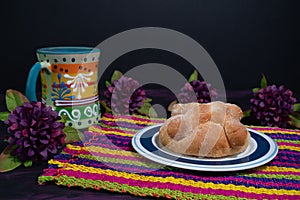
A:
{"x":261,"y":150}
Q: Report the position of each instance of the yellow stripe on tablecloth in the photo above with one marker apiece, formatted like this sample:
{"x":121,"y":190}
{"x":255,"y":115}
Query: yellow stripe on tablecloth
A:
{"x":103,"y":150}
{"x":289,"y":147}
{"x":276,"y":169}
{"x":99,"y":130}
{"x":280,"y":131}
{"x":264,"y":129}
{"x":129,"y":121}
{"x":181,"y":181}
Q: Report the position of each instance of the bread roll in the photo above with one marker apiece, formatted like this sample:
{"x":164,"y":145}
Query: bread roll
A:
{"x":205,"y":130}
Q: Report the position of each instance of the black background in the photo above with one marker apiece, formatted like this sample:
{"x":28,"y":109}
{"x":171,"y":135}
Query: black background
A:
{"x":244,"y":38}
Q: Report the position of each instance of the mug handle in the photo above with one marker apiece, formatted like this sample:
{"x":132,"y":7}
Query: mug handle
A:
{"x":30,"y":91}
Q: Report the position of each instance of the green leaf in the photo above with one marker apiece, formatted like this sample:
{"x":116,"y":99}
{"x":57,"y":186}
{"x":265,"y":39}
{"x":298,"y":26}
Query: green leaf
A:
{"x":107,"y":84}
{"x":4,"y":116}
{"x":263,"y":82}
{"x":152,"y":112}
{"x":72,"y":135}
{"x":64,"y":118}
{"x":254,"y":90}
{"x":27,"y":163}
{"x":116,"y":76}
{"x":295,"y":121}
{"x":296,"y":114}
{"x":107,"y":109}
{"x":147,"y":110}
{"x":147,"y":100}
{"x":144,"y":109}
{"x":14,"y":98}
{"x":296,"y":107}
{"x":7,"y":161}
{"x":194,"y":76}
{"x":246,"y":113}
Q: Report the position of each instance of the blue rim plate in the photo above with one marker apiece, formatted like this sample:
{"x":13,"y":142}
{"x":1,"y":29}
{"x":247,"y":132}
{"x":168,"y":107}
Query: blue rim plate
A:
{"x":261,"y":150}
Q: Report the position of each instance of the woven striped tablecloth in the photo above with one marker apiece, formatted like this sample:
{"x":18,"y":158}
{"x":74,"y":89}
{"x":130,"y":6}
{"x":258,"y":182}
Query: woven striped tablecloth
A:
{"x":105,"y":160}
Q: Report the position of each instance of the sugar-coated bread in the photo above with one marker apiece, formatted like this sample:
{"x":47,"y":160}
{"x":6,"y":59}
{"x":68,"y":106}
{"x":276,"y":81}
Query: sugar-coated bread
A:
{"x":205,"y":130}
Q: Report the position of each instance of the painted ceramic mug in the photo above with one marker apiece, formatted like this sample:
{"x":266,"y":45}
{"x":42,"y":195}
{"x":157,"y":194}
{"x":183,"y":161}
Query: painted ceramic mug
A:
{"x":69,"y":78}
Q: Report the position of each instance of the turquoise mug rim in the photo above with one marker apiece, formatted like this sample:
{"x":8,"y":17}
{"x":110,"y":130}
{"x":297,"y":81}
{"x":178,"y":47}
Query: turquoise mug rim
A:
{"x":59,"y":50}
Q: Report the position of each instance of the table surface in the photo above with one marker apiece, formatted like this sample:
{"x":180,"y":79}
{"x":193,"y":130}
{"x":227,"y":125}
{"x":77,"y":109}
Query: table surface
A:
{"x":21,"y":183}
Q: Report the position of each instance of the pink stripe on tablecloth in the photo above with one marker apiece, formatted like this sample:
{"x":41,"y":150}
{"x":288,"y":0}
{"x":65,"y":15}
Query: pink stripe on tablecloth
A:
{"x":227,"y":180}
{"x":284,"y":164}
{"x":288,"y":144}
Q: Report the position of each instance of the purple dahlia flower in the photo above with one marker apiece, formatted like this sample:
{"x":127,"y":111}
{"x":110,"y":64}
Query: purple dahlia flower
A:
{"x":35,"y":131}
{"x":124,"y":96}
{"x":272,"y":105}
{"x":203,"y":91}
